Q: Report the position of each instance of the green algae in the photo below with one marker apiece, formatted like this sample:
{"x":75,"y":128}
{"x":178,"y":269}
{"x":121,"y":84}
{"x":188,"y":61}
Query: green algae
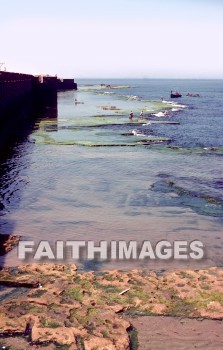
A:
{"x":63,"y":347}
{"x":212,"y":200}
{"x":201,"y":203}
{"x":181,"y":307}
{"x":182,"y":191}
{"x":204,"y":298}
{"x":98,"y":120}
{"x":38,"y":294}
{"x":95,"y":138}
{"x":123,"y":111}
{"x":159,"y":295}
{"x":49,"y":323}
{"x":133,"y":337}
{"x":101,"y":87}
{"x":77,"y":130}
{"x":185,"y":274}
{"x":189,"y":150}
{"x":74,"y":293}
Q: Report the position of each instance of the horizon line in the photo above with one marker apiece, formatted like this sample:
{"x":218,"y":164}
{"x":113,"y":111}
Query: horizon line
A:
{"x":116,"y":78}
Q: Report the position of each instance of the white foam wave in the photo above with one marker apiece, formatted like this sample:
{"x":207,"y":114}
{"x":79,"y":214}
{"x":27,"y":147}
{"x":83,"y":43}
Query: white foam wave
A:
{"x":174,"y":104}
{"x":138,"y":133}
{"x":132,"y":97}
{"x":180,"y":106}
{"x":168,"y":102}
{"x":149,"y":123}
{"x":160,"y":114}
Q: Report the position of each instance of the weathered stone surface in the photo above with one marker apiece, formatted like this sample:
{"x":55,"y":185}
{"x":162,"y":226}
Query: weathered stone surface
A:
{"x":70,"y":308}
{"x":61,"y":335}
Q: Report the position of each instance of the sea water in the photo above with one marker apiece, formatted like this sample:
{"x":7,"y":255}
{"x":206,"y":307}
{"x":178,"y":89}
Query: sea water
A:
{"x":94,"y":174}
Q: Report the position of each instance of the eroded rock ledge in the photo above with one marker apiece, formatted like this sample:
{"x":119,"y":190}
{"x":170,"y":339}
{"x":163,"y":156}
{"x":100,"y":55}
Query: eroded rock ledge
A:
{"x":58,"y":307}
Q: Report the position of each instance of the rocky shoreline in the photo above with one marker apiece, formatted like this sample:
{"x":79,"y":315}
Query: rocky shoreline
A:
{"x":47,"y":306}
{"x":8,"y":242}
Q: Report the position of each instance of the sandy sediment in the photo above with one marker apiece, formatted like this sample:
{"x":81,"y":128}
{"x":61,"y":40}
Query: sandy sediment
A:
{"x":171,"y":333}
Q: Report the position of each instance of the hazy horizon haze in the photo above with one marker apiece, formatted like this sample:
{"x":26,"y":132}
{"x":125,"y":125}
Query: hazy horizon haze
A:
{"x":122,"y":39}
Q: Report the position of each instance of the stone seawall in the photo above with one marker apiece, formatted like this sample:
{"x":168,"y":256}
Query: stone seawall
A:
{"x":16,"y":99}
{"x":21,"y":96}
{"x":12,"y":86}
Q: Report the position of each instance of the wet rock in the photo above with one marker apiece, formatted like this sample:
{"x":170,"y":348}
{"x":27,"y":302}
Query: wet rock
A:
{"x":19,"y":284}
{"x":8,"y":242}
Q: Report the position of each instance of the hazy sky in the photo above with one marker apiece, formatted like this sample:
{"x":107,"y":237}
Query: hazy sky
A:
{"x":116,"y":38}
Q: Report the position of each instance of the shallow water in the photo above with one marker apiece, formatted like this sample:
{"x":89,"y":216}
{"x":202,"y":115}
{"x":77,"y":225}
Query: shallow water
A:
{"x":92,"y":174}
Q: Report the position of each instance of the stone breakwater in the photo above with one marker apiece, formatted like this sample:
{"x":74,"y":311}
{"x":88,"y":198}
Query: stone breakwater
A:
{"x":56,"y":306}
{"x":13,"y":86}
{"x":21,"y":95}
{"x":15,"y":104}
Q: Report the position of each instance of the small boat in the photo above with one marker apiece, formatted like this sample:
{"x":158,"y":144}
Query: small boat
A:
{"x":175,"y":94}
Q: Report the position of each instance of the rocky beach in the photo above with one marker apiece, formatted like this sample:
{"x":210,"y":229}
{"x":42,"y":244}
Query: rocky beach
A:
{"x":48,"y":306}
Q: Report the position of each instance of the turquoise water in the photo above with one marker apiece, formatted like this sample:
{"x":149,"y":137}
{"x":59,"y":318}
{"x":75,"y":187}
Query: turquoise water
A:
{"x":93,"y":174}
